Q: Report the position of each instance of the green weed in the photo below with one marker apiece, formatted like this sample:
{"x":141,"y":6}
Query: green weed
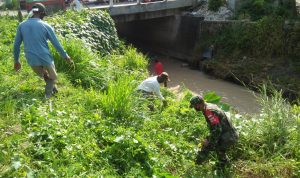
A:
{"x":98,"y":126}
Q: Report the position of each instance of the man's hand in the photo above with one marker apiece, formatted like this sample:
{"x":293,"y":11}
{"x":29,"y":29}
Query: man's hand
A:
{"x":17,"y":66}
{"x":69,"y":60}
{"x":205,"y":143}
{"x":164,"y":103}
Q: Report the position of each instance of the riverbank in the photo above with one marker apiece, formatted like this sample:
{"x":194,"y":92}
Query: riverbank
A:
{"x":255,"y":72}
{"x":240,"y":98}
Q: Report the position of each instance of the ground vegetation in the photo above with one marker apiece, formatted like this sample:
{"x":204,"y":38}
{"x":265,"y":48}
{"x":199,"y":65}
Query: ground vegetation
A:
{"x":97,"y":125}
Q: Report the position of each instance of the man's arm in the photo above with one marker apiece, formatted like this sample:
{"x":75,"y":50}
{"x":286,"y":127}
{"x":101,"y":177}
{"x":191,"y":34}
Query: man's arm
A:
{"x":53,"y":39}
{"x":17,"y":44}
{"x":214,"y":136}
{"x":158,"y":93}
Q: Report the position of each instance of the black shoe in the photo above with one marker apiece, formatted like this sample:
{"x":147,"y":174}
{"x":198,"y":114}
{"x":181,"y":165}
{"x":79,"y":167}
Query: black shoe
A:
{"x":54,"y":91}
{"x":201,"y":157}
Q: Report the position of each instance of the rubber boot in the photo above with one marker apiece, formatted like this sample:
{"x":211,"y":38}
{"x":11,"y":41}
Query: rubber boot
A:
{"x":223,"y":159}
{"x":55,"y":90}
{"x":49,"y":88}
{"x":201,"y":157}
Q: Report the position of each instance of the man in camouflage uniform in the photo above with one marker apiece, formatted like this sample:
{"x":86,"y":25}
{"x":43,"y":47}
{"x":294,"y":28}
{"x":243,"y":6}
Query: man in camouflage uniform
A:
{"x":222,"y":133}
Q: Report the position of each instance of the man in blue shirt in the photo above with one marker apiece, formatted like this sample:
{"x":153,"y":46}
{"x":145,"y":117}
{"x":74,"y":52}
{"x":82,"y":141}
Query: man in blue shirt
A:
{"x":35,"y":34}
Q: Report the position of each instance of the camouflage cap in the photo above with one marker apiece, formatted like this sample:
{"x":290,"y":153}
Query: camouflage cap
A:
{"x":196,"y":100}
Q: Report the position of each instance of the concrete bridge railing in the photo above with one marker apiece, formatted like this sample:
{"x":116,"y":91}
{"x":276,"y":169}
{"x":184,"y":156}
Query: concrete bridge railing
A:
{"x":111,"y":2}
{"x":139,"y":10}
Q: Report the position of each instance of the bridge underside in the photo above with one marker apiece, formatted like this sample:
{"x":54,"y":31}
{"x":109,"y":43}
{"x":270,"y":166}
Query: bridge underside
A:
{"x":143,"y":11}
{"x":146,"y":15}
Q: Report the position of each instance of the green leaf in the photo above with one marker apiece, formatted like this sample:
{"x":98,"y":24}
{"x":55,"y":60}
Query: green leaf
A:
{"x":212,"y":97}
{"x":16,"y":165}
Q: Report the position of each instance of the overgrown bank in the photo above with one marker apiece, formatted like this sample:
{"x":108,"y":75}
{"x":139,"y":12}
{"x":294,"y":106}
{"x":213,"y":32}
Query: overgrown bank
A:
{"x":266,"y":51}
{"x":97,"y":125}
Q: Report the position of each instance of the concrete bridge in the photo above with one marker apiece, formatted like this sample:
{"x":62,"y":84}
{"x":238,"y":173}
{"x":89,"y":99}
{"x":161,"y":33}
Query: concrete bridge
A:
{"x":131,"y":11}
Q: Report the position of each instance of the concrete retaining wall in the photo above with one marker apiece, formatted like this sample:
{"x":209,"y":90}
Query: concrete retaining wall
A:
{"x":174,"y":36}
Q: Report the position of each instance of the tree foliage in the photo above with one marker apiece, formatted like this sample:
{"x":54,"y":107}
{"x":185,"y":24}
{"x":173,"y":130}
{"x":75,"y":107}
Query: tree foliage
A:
{"x":214,"y":5}
{"x":257,"y":9}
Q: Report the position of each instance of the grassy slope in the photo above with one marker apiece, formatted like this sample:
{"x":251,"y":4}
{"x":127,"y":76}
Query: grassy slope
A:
{"x":96,"y":125}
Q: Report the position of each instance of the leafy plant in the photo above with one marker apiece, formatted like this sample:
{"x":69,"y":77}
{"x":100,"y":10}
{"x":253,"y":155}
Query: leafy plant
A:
{"x":214,"y":5}
{"x":11,"y":4}
{"x":258,"y":9}
{"x":95,"y":28}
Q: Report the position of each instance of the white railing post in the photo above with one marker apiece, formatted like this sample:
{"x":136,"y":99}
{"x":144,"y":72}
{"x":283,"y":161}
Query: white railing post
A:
{"x":111,"y":3}
{"x":139,"y":1}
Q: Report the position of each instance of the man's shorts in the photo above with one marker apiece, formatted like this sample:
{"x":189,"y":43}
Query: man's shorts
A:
{"x":43,"y":71}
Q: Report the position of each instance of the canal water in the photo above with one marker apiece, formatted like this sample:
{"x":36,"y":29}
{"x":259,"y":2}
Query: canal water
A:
{"x":242,"y":99}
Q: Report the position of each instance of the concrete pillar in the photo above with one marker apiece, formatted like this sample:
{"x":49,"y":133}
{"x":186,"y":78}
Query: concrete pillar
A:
{"x":231,"y":4}
{"x":111,"y":3}
{"x":139,"y":1}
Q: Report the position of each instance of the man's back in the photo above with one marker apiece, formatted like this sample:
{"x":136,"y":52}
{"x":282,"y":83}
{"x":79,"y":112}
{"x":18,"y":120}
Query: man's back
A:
{"x":224,"y":122}
{"x":151,"y":85}
{"x":35,"y":34}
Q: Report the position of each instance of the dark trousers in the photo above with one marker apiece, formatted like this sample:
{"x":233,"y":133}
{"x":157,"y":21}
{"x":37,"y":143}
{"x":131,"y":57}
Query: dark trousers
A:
{"x":225,"y":142}
{"x":149,"y":96}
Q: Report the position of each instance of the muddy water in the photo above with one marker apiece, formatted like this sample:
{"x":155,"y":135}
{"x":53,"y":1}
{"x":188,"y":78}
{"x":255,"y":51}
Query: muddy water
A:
{"x":237,"y":96}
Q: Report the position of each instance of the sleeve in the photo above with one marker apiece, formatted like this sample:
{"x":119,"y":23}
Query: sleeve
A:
{"x":52,"y":37}
{"x":215,"y":129}
{"x":158,"y":93}
{"x":17,"y":44}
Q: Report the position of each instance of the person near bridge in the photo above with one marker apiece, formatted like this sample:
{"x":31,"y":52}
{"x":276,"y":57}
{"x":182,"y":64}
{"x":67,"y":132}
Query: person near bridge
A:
{"x":222,"y":133}
{"x":159,"y":69}
{"x":35,"y":33}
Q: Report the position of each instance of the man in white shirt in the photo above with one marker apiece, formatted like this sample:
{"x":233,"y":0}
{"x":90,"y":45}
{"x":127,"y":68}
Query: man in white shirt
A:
{"x":152,"y":85}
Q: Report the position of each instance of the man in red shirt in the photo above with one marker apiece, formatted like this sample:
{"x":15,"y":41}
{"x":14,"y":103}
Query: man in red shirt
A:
{"x":158,"y":68}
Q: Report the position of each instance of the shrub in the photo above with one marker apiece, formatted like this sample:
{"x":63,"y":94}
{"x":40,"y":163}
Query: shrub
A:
{"x":214,"y":5}
{"x":95,"y":28}
{"x":258,"y":9}
{"x":11,"y":4}
{"x":293,"y":40}
{"x":253,"y":39}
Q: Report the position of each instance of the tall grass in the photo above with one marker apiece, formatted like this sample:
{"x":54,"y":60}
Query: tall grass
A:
{"x":277,"y":120}
{"x":131,"y":60}
{"x":118,"y":101}
{"x":269,"y":138}
{"x":91,"y":70}
{"x":88,"y":67}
